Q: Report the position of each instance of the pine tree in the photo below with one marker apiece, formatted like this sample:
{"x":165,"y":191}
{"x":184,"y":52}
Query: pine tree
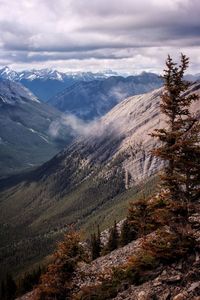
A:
{"x":98,"y":241}
{"x":55,"y":284}
{"x":180,"y":139}
{"x":96,"y":244}
{"x":139,"y":217}
{"x":127,"y":234}
{"x":93,"y":246}
{"x":113,"y":238}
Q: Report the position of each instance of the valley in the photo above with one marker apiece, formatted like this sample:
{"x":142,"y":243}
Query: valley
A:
{"x":25,"y":138}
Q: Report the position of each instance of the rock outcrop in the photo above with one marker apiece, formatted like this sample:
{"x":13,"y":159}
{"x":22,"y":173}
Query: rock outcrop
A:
{"x":175,"y":281}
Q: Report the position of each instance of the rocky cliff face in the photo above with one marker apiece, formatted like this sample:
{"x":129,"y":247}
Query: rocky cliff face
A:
{"x":134,"y":120}
{"x":122,"y":139}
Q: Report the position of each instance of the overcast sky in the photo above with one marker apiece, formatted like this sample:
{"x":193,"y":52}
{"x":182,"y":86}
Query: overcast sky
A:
{"x":81,"y":35}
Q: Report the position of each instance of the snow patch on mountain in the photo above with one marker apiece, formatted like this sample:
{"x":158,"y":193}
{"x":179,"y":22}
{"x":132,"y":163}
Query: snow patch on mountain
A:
{"x":39,"y":134}
{"x":8,"y":73}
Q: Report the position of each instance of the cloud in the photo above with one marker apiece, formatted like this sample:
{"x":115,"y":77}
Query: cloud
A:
{"x":118,"y":93}
{"x":65,"y":31}
{"x":76,"y":126}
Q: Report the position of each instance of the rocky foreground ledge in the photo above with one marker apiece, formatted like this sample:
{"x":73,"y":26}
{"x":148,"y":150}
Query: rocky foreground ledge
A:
{"x":177,"y":281}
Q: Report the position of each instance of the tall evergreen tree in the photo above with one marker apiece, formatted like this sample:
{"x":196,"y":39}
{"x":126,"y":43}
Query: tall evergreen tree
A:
{"x":96,"y":244}
{"x":99,"y":246}
{"x":55,"y":283}
{"x":113,"y":238}
{"x":139,"y":218}
{"x":127,"y":233}
{"x":180,"y":139}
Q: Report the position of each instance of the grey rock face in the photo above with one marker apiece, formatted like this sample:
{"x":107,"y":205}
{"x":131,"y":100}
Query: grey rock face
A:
{"x":122,"y":137}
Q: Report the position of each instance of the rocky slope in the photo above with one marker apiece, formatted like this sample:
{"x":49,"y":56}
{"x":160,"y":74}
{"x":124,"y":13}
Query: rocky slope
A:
{"x":177,"y":281}
{"x":169,"y":281}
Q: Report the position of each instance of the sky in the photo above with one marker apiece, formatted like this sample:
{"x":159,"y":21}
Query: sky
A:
{"x":127,"y":36}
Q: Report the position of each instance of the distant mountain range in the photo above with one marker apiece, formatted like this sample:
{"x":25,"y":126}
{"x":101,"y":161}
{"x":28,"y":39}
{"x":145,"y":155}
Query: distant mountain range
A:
{"x":86,"y":95}
{"x":44,"y":74}
{"x":25,"y":139}
{"x":46,"y":83}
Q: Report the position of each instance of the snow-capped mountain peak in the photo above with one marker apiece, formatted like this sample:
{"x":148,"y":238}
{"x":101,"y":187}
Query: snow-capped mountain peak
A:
{"x":46,"y":73}
{"x":7,"y":73}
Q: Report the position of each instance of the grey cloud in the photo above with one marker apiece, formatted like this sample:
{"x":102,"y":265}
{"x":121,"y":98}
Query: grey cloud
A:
{"x":25,"y":57}
{"x":76,"y":126}
{"x":47,"y":30}
{"x":73,"y":55}
{"x":118,"y":93}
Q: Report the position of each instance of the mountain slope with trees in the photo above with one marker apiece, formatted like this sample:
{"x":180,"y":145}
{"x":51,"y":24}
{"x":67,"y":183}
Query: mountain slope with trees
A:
{"x":91,"y":181}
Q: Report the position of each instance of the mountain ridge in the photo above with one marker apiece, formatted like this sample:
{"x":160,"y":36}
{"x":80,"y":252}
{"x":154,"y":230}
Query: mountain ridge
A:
{"x":90,"y":100}
{"x":8,"y":73}
{"x":46,"y":83}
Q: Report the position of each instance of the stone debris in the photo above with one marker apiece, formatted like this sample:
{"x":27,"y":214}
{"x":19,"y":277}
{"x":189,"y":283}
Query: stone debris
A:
{"x":102,"y":267}
{"x":194,"y":286}
{"x":181,"y":296}
{"x":178,"y":281}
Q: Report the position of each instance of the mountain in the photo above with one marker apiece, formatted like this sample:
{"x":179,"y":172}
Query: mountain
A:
{"x":86,"y":95}
{"x":46,"y":83}
{"x":92,"y":99}
{"x":25,"y":139}
{"x":90,"y":182}
{"x":8,"y":73}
